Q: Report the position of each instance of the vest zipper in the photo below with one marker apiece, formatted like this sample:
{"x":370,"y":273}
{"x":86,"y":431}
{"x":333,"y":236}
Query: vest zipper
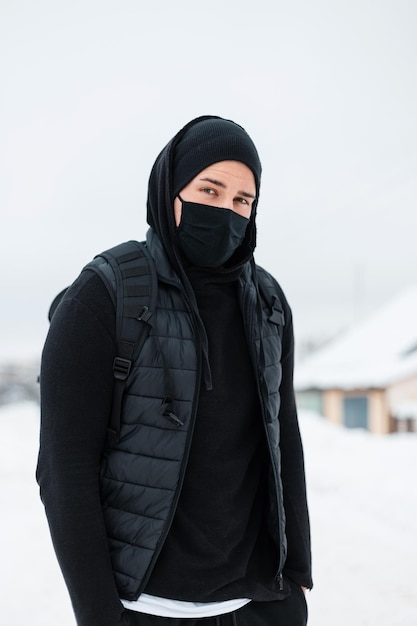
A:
{"x":184,"y":464}
{"x":256,"y":364}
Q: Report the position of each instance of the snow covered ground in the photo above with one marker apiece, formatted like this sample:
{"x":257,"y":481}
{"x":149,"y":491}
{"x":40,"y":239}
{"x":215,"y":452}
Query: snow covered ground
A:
{"x":363,"y":504}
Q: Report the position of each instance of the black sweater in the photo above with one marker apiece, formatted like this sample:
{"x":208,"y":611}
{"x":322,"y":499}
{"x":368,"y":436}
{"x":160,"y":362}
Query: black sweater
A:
{"x":218,"y":546}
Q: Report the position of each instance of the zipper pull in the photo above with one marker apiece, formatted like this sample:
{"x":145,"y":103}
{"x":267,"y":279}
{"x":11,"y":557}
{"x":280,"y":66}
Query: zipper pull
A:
{"x":174,"y":418}
{"x":166,"y":409}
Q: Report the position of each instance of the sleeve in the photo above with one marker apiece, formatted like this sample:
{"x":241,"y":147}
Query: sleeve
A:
{"x":76,"y":390}
{"x":298,"y":562}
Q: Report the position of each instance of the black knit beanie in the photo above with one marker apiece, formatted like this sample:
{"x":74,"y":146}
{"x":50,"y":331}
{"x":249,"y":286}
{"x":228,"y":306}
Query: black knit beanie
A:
{"x":210,"y":141}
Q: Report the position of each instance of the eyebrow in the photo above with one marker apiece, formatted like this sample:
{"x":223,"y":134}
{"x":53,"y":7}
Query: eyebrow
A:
{"x":220,"y":184}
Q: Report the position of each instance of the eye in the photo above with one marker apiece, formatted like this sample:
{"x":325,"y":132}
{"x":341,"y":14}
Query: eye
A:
{"x":208,"y":190}
{"x":242,"y":201}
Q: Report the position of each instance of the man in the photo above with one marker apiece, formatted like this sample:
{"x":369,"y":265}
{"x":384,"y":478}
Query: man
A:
{"x":197,"y":515}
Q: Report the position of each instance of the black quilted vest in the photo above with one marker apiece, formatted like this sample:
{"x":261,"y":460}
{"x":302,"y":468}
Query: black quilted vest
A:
{"x":142,"y":474}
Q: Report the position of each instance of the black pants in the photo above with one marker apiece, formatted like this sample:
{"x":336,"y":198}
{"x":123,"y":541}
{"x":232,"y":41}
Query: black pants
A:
{"x":289,"y":612}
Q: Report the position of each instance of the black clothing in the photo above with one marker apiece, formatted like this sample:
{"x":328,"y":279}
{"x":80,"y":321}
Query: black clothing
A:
{"x":75,"y":413}
{"x":76,"y":386}
{"x":211,"y":553}
{"x":210,"y":141}
{"x":209,"y":235}
{"x":160,"y":208}
{"x":76,"y":396}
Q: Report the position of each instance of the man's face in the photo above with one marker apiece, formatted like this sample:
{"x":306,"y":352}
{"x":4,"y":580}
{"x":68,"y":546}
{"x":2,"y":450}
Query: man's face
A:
{"x":227,"y":185}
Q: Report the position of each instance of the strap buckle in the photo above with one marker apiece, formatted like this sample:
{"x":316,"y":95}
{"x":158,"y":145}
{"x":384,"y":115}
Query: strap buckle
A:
{"x":145,"y":315}
{"x":121,"y":368}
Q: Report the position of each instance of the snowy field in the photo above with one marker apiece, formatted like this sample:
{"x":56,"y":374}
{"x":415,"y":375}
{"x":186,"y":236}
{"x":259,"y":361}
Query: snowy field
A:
{"x":363,"y":504}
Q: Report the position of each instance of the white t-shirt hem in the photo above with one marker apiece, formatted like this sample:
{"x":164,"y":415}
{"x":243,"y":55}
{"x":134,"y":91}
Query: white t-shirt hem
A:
{"x":165,"y":607}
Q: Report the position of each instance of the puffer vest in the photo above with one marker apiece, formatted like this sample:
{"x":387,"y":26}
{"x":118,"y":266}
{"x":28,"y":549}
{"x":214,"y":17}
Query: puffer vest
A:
{"x":142,"y":475}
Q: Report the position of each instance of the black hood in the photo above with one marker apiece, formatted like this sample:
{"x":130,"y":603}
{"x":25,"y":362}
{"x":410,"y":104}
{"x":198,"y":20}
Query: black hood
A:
{"x":160,"y":205}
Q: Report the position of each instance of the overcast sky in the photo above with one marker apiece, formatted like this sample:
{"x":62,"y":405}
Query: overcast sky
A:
{"x":92,"y":90}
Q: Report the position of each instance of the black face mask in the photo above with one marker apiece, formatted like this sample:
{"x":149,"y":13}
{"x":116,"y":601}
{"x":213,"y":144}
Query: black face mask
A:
{"x":209,"y":235}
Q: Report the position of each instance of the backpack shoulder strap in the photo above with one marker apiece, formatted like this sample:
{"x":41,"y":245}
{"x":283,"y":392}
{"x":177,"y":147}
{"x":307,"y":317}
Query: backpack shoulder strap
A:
{"x":129,"y":273}
{"x":269,"y":292}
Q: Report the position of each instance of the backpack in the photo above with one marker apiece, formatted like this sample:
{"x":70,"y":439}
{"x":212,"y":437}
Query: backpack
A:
{"x":128,"y":272}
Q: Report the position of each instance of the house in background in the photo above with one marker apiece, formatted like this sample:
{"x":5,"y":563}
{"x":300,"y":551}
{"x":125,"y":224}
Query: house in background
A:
{"x":367,"y":377}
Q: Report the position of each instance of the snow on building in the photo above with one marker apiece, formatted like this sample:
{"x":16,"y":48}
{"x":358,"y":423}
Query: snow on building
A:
{"x":367,"y":377}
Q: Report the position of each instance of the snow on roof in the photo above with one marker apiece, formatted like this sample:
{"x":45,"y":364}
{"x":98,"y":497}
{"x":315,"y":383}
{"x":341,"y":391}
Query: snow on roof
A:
{"x":376,"y":352}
